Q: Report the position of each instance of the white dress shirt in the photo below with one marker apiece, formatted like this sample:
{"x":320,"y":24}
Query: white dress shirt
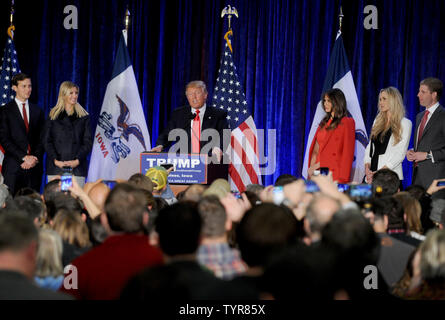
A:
{"x":431,"y":111}
{"x":202,"y":110}
{"x":20,"y":106}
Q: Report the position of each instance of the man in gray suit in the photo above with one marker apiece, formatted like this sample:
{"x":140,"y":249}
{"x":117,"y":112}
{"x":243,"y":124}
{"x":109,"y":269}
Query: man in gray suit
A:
{"x":428,"y":155}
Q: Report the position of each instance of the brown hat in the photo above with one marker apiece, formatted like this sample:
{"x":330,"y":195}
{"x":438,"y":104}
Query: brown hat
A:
{"x":219,"y":188}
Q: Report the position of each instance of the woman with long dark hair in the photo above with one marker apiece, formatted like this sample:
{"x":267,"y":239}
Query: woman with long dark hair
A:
{"x":334,"y":142}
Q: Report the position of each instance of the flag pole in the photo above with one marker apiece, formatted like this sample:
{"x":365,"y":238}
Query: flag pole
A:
{"x":127,"y":24}
{"x":11,"y":28}
{"x":340,"y":19}
{"x":229,"y":11}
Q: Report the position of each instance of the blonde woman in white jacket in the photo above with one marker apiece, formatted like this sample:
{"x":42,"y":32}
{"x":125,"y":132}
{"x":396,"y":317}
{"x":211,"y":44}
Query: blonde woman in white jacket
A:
{"x":390,"y":135}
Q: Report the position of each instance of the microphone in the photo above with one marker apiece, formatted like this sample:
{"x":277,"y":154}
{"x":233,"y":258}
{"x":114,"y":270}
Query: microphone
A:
{"x":188,"y":119}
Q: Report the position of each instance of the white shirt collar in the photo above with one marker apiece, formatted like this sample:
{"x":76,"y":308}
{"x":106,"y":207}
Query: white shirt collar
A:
{"x":20,"y":103}
{"x":202,"y":110}
{"x":432,"y":108}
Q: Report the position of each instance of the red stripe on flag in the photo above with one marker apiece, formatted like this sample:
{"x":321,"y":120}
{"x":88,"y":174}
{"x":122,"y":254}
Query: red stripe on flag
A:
{"x":236,"y":178}
{"x":251,"y":137}
{"x":243,"y":156}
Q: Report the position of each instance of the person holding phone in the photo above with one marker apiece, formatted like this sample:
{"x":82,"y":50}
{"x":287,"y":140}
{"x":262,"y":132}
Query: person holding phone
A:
{"x":67,"y":135}
{"x":334,"y":142}
{"x":390,"y":135}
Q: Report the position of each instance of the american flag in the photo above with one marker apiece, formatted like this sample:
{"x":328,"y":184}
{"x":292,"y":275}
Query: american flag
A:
{"x":228,"y":95}
{"x":8,"y":68}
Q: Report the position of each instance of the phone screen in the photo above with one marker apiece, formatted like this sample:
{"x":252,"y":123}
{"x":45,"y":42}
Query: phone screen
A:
{"x":67,"y":182}
{"x":360,"y":191}
{"x":311,"y":187}
{"x":441,"y":183}
{"x":343,"y":187}
{"x":237,"y":194}
{"x":109,"y":183}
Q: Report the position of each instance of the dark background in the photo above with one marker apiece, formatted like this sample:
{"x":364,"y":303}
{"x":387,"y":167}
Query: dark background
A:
{"x":281,"y":49}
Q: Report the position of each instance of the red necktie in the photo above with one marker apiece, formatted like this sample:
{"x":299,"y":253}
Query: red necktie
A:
{"x":196,"y":133}
{"x":25,"y":118}
{"x":422,"y":126}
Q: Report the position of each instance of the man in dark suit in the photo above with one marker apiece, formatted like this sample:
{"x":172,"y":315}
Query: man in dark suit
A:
{"x":18,"y":259}
{"x":21,"y":124}
{"x":194,"y":122}
{"x":429,"y":137}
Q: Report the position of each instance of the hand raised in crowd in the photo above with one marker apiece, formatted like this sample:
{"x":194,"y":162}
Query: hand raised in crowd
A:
{"x":80,"y":193}
{"x":294,"y":192}
{"x":434,"y":187}
{"x":235,"y":208}
{"x":328,"y":187}
{"x":266,"y":194}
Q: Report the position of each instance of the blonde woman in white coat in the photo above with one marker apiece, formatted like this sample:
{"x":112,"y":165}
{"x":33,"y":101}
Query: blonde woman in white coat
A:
{"x":390,"y":135}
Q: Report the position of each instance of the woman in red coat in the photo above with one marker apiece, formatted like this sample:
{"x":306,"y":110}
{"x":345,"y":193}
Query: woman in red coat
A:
{"x":334,"y":142}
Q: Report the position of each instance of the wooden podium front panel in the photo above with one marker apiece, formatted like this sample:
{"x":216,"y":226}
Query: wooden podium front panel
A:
{"x":176,"y":188}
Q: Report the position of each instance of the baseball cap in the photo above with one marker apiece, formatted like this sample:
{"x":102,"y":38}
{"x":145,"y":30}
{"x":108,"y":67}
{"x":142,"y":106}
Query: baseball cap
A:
{"x":158,"y":175}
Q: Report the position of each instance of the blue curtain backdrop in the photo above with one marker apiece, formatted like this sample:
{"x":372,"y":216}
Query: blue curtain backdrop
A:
{"x":281,"y":49}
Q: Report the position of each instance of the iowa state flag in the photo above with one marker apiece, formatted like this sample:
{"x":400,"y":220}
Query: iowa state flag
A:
{"x":339,"y":76}
{"x":121,"y":133}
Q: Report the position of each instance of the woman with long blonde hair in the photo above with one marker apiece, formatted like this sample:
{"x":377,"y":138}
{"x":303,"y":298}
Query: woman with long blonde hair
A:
{"x":67,"y":135}
{"x":390,"y":135}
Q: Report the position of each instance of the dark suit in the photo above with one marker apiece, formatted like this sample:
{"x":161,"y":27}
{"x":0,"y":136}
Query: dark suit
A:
{"x":67,"y":138}
{"x":15,"y":141}
{"x":181,"y":119}
{"x":433,"y":139}
{"x":15,"y":286}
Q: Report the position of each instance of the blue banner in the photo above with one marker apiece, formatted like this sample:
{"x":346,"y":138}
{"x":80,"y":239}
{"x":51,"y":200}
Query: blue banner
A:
{"x":188,"y":169}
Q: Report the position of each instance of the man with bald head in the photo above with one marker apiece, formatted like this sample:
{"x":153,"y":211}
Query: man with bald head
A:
{"x":318,"y":214}
{"x":98,"y":194}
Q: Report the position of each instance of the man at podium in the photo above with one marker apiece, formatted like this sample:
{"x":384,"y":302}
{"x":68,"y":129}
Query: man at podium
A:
{"x":194,"y":121}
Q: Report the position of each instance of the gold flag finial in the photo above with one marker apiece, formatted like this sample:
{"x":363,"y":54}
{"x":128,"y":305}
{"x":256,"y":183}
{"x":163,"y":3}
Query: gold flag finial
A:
{"x":229,"y":11}
{"x":127,"y":19}
{"x":340,"y":18}
{"x":11,"y":28}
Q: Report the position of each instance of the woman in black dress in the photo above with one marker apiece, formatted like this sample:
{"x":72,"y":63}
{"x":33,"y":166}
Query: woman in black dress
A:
{"x":67,"y":135}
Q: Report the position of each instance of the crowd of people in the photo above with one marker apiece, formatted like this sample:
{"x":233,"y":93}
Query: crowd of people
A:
{"x":129,"y":243}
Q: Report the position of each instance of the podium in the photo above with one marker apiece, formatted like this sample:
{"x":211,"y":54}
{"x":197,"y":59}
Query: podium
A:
{"x":189,"y":168}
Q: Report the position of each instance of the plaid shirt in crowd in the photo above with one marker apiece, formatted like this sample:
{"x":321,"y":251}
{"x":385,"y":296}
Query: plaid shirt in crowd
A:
{"x":224,"y":261}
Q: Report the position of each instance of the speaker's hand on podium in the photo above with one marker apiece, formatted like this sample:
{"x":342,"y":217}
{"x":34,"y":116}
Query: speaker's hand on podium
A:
{"x":157,"y":149}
